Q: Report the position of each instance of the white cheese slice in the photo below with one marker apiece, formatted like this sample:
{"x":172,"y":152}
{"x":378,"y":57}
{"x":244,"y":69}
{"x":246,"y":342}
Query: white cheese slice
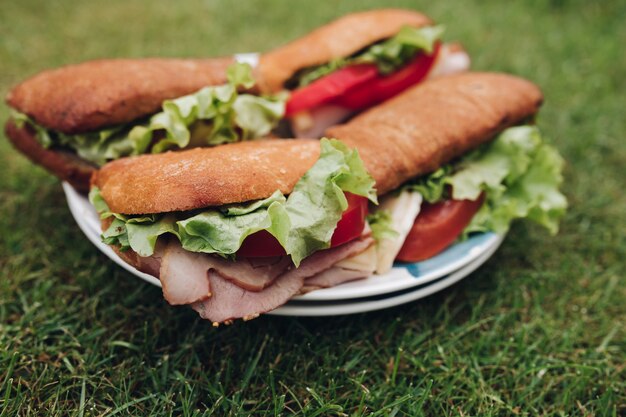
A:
{"x":403,"y":209}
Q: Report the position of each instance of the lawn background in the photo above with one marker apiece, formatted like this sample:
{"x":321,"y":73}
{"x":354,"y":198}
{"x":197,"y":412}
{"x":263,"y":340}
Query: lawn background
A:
{"x":539,"y":330}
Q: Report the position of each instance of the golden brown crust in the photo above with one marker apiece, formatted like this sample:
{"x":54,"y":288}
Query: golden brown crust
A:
{"x":95,"y":94}
{"x":202,"y":177}
{"x":338,"y":39}
{"x":432,"y":123}
{"x":64,"y":164}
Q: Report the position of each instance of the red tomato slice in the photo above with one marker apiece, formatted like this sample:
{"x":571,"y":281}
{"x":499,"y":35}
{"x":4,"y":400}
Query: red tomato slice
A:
{"x":384,"y":87}
{"x":329,"y":87}
{"x":436,"y":227}
{"x":349,"y":227}
{"x":360,"y":86}
{"x":352,"y":221}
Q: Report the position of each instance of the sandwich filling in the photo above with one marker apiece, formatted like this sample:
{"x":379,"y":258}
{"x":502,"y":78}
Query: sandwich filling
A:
{"x":328,"y":94}
{"x":388,"y":56}
{"x":208,"y":117}
{"x":200,"y":255}
{"x":197,"y":255}
{"x":515,"y":176}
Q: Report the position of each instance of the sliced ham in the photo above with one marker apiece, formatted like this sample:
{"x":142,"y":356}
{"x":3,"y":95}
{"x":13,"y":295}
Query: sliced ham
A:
{"x":364,"y":261}
{"x":183,"y":275}
{"x":230,"y":301}
{"x":332,"y":277}
{"x":184,"y":280}
{"x":252,"y":274}
{"x":149,"y":265}
{"x":322,"y":260}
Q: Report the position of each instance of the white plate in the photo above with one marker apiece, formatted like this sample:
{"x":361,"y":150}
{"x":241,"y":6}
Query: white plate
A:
{"x":378,"y":303}
{"x":402,"y":277}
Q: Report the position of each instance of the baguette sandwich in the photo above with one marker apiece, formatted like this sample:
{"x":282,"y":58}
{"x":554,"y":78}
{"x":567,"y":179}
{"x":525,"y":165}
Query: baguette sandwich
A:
{"x":237,"y":230}
{"x":354,"y":63}
{"x":74,"y":119}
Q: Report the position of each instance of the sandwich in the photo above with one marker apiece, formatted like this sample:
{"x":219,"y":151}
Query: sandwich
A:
{"x":354,"y":63}
{"x":74,"y":119}
{"x":237,"y":230}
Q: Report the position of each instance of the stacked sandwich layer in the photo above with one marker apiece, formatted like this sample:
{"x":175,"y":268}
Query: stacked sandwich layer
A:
{"x":74,"y":119}
{"x":237,"y":229}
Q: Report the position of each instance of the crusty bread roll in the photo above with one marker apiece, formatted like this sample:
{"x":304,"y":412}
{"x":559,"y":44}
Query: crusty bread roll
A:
{"x":435,"y":122}
{"x":338,"y":39}
{"x":97,"y":94}
{"x":410,"y":135}
{"x":202,"y":177}
{"x":66,"y":165}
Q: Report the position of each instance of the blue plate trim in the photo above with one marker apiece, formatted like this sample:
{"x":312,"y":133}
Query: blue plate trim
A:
{"x":449,"y":255}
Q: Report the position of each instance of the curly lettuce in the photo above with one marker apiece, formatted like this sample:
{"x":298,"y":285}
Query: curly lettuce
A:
{"x":519,"y":174}
{"x":208,"y":117}
{"x":302,"y":222}
{"x":381,"y":224}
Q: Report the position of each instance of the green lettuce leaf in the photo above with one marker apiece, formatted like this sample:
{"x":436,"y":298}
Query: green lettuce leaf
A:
{"x":397,"y":51}
{"x":96,"y":147}
{"x":381,"y":224}
{"x":309,"y":75}
{"x":144,"y":231}
{"x":116,"y":234}
{"x":139,"y":233}
{"x":318,"y":201}
{"x":102,"y":146}
{"x":240,"y":74}
{"x":519,"y":174}
{"x":432,"y":187}
{"x":256,"y":116}
{"x":208,"y":117}
{"x":42,"y":135}
{"x":223,"y":231}
{"x":302,"y":223}
{"x":213,"y":116}
{"x":388,"y":55}
{"x":96,"y":200}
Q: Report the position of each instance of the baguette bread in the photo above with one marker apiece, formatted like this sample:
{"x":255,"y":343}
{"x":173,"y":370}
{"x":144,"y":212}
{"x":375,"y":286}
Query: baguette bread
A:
{"x":338,"y":39}
{"x":202,"y":177}
{"x":429,"y":125}
{"x":66,"y":165}
{"x":97,"y":94}
{"x":410,"y":135}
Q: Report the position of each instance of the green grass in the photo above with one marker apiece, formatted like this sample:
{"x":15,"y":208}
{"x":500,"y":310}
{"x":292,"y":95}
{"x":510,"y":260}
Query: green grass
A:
{"x":539,"y":330}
